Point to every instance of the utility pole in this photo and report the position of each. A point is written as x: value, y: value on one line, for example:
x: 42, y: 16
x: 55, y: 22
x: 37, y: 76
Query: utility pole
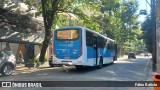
x: 153, y: 20
x: 158, y: 33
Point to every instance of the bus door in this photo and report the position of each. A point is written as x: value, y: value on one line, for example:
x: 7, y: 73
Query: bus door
x: 95, y: 46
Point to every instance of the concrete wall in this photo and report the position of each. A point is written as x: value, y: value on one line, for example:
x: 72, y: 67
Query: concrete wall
x: 20, y: 48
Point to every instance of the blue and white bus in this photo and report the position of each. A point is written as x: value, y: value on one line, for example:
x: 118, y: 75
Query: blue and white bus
x: 81, y: 46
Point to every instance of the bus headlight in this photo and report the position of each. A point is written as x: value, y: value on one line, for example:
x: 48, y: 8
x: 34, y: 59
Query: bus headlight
x: 69, y: 63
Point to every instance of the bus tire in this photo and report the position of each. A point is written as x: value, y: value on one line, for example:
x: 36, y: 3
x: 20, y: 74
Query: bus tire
x: 114, y: 58
x: 51, y: 65
x: 100, y: 63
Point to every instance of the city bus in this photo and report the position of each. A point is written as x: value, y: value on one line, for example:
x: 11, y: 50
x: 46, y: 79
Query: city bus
x: 80, y: 46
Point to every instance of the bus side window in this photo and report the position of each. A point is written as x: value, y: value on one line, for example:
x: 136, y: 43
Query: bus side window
x: 109, y: 46
x: 89, y: 38
x: 101, y: 42
x: 95, y: 42
x: 106, y: 44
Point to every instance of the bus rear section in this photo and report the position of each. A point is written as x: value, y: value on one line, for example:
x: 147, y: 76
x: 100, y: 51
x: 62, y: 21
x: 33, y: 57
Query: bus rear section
x: 67, y: 46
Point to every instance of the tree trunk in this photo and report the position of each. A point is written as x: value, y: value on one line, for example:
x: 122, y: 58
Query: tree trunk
x: 44, y: 48
x: 48, y: 17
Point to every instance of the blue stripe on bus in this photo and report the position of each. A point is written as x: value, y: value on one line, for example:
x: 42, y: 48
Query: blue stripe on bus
x: 91, y: 53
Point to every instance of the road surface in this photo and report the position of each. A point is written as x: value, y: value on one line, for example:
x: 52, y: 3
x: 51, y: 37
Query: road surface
x: 121, y: 70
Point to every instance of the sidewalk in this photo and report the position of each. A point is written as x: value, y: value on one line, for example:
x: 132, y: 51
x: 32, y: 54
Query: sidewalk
x: 149, y: 78
x: 125, y: 57
x: 20, y: 68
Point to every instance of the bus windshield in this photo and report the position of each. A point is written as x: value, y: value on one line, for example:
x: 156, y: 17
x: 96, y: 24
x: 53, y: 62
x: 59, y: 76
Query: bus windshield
x: 67, y: 34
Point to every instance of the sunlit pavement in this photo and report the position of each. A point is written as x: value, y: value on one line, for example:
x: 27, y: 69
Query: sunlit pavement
x: 122, y: 70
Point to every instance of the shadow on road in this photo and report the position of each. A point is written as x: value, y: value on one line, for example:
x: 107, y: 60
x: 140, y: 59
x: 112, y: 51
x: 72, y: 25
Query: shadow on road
x: 66, y: 70
x: 132, y: 69
x: 85, y: 69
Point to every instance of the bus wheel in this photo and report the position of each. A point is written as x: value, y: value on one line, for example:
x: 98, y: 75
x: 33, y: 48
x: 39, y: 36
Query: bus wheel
x: 51, y: 65
x: 114, y: 58
x: 100, y: 63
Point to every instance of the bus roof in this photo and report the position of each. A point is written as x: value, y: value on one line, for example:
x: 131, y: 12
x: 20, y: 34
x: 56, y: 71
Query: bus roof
x: 99, y: 34
x: 87, y: 30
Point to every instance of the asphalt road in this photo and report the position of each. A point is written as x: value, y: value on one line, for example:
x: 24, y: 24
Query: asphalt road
x: 121, y: 70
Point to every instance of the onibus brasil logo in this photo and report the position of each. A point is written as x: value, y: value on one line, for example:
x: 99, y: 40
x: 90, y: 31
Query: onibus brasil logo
x: 20, y: 84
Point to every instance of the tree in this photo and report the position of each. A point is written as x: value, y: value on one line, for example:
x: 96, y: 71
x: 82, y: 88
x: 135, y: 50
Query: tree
x: 130, y: 26
x: 49, y: 11
x: 147, y: 33
x: 50, y: 8
x: 110, y: 17
x: 119, y: 22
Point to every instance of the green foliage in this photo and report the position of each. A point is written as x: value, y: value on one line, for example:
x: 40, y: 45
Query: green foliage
x: 117, y: 20
x: 147, y: 33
